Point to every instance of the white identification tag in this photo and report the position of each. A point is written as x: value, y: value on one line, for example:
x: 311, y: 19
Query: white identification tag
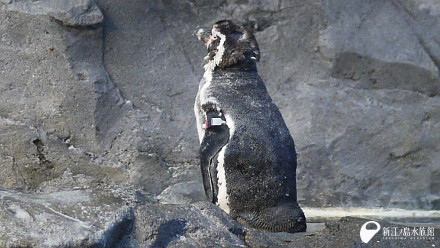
x: 217, y: 121
x: 213, y: 122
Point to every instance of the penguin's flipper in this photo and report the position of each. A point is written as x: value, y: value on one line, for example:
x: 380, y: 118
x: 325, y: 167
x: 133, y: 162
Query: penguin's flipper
x: 216, y: 136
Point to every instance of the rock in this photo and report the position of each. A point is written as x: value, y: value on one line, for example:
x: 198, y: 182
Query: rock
x: 381, y: 91
x: 70, y: 13
x: 341, y: 233
x: 187, y: 192
x: 342, y: 89
x: 376, y: 49
x: 98, y: 96
x: 50, y: 110
x: 70, y: 218
x: 199, y: 225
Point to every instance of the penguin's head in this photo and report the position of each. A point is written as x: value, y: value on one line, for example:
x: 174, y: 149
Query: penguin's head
x: 228, y: 44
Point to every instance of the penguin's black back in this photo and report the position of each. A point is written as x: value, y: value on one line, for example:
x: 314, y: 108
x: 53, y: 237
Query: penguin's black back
x: 260, y: 160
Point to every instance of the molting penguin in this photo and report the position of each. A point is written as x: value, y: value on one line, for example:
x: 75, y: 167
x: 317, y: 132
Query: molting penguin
x: 247, y: 155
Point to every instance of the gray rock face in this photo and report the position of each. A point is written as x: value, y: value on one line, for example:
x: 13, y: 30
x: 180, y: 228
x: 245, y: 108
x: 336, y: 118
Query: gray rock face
x: 69, y: 13
x: 341, y: 233
x: 72, y: 218
x: 374, y: 48
x: 53, y: 90
x: 199, y: 225
x: 97, y: 127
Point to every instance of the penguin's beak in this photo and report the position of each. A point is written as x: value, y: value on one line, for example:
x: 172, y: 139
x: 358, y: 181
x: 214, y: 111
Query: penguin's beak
x: 204, y: 36
x: 209, y: 41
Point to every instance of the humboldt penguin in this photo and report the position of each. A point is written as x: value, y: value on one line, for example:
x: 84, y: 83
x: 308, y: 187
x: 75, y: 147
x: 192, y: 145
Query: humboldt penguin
x: 247, y: 155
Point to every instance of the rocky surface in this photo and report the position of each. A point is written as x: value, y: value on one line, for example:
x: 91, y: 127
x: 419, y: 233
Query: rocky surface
x: 198, y: 225
x: 205, y: 225
x: 341, y: 233
x: 97, y: 128
x: 71, y: 218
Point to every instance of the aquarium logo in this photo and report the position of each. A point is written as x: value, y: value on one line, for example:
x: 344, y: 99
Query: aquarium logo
x: 368, y: 234
x: 396, y: 232
x: 410, y: 233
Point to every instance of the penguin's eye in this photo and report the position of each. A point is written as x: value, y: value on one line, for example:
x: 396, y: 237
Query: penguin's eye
x: 214, y: 37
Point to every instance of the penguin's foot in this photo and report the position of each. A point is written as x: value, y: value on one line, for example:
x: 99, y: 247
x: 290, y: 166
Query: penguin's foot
x: 284, y: 218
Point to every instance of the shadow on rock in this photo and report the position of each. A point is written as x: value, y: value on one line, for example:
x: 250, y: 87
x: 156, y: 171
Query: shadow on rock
x: 168, y: 232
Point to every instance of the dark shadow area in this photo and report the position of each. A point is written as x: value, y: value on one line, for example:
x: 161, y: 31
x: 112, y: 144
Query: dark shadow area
x: 370, y: 73
x: 168, y: 232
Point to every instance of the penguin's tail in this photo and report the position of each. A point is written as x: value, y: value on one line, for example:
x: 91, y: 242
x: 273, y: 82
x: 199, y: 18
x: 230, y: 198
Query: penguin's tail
x: 288, y: 217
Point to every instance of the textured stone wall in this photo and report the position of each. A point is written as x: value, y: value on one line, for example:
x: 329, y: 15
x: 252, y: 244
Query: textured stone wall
x: 357, y: 83
x: 97, y: 99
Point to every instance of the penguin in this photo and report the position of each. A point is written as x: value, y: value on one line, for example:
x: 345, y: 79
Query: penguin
x: 247, y: 155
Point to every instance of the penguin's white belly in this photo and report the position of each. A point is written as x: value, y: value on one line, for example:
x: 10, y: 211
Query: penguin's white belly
x: 206, y: 95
